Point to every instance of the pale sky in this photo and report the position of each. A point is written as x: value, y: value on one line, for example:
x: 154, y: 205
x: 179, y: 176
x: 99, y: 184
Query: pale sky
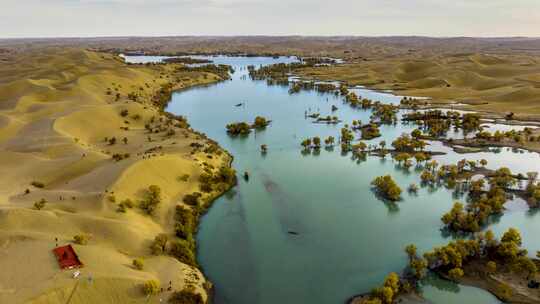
x: 83, y: 18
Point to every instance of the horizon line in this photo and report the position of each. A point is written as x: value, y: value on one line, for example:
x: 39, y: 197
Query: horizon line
x: 269, y: 35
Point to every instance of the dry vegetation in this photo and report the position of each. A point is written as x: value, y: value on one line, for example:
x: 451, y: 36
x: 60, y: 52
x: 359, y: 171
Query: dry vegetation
x: 64, y: 180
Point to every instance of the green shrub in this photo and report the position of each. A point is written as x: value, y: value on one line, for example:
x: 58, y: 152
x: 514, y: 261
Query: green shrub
x: 138, y: 264
x: 183, y: 178
x: 260, y: 122
x: 81, y: 239
x: 153, y: 197
x: 183, y: 250
x: 205, y: 188
x: 192, y: 199
x: 124, y: 113
x: 238, y: 128
x: 504, y: 291
x: 37, y: 184
x: 186, y: 297
x: 185, y: 222
x: 40, y: 204
x: 121, y: 208
x: 455, y: 273
x: 159, y: 245
x: 151, y: 287
x: 128, y: 203
x: 491, y: 267
x: 370, y: 131
x: 387, y: 187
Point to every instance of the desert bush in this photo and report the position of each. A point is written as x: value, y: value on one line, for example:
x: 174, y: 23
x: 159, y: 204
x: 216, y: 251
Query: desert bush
x: 81, y: 239
x: 124, y: 113
x: 159, y: 245
x: 491, y: 267
x: 40, y: 204
x: 121, y: 208
x: 205, y: 188
x: 128, y: 203
x: 184, y: 251
x: 151, y: 287
x: 186, y: 297
x: 153, y: 198
x: 185, y: 222
x: 504, y: 291
x: 184, y: 178
x: 138, y: 264
x: 192, y: 199
x: 119, y: 156
x: 37, y: 184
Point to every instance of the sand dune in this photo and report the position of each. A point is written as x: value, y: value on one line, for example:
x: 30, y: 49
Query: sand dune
x: 491, y: 82
x: 56, y: 109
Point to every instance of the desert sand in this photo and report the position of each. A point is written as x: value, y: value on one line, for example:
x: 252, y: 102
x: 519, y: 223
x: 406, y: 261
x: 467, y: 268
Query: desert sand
x: 497, y: 83
x: 496, y: 75
x: 57, y: 106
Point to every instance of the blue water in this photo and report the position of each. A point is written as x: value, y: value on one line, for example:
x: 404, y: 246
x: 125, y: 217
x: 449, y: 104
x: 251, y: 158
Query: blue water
x: 347, y: 240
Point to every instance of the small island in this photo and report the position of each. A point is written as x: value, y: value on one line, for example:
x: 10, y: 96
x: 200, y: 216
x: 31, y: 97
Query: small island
x: 502, y: 267
x: 387, y: 188
x: 243, y: 128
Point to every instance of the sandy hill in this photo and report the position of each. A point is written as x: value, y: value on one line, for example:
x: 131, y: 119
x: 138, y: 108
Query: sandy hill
x: 490, y: 82
x: 492, y: 74
x: 59, y: 112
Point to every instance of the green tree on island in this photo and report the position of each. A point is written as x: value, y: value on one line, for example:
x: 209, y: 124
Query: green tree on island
x: 387, y: 187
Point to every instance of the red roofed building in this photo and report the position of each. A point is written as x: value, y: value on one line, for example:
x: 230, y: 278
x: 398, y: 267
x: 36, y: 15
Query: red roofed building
x: 67, y: 258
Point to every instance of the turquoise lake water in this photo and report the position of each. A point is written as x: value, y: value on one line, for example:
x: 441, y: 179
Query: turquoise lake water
x: 346, y: 239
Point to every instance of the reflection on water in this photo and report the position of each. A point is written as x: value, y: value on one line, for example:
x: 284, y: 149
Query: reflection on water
x: 438, y: 291
x: 307, y: 228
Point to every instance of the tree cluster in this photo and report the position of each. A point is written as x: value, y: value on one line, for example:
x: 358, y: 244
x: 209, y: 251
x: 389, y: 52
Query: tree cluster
x: 151, y: 200
x: 451, y: 258
x: 407, y: 143
x: 370, y: 131
x: 387, y: 187
x: 238, y: 128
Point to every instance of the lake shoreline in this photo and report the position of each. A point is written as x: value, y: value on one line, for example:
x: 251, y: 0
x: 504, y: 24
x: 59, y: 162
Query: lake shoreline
x: 485, y: 116
x: 474, y: 281
x: 434, y: 153
x: 110, y: 147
